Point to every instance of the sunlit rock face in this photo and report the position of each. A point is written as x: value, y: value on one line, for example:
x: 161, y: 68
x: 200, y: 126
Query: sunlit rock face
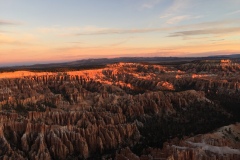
x: 97, y: 113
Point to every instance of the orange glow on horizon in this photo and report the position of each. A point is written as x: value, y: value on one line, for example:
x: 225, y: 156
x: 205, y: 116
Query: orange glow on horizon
x: 25, y: 54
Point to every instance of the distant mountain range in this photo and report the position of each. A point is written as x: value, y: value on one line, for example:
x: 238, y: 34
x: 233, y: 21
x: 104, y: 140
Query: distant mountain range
x: 227, y: 56
x: 96, y: 63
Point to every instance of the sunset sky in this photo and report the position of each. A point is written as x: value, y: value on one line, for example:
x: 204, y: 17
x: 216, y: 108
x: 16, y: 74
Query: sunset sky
x: 42, y: 31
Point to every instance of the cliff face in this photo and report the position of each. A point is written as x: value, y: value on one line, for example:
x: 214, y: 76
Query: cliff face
x: 60, y: 135
x: 90, y: 113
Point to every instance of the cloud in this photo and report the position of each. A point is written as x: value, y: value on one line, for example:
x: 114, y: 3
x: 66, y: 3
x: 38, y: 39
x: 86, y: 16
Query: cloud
x: 12, y: 43
x: 21, y: 39
x: 121, y: 42
x: 107, y: 31
x: 212, y: 24
x: 118, y: 44
x: 87, y: 30
x: 217, y: 40
x: 120, y: 31
x: 174, y: 11
x: 76, y: 42
x: 7, y: 22
x: 165, y: 16
x: 178, y: 19
x: 150, y: 4
x: 177, y: 6
x: 69, y: 30
x: 206, y: 31
x: 94, y: 30
x: 2, y: 31
x: 234, y: 12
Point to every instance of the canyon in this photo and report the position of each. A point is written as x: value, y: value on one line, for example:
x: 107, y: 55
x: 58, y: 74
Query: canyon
x: 123, y: 110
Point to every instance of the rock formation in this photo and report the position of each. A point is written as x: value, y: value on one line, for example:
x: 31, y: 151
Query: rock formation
x: 93, y: 113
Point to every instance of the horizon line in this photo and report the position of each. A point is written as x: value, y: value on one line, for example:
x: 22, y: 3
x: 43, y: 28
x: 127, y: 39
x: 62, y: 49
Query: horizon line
x: 29, y: 64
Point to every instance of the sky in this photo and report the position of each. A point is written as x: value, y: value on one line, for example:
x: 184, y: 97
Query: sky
x: 34, y: 31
